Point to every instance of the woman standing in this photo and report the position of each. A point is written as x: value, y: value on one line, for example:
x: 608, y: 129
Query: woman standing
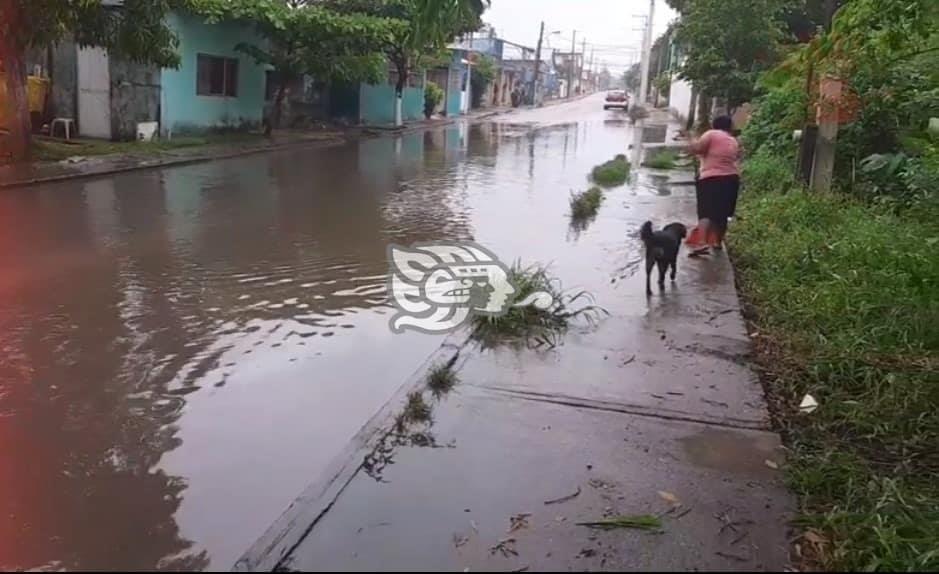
x: 717, y: 186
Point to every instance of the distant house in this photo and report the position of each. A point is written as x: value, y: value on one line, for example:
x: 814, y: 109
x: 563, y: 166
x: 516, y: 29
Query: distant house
x: 214, y: 87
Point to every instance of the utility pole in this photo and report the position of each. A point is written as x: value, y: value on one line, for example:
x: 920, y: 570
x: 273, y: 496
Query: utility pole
x: 592, y: 72
x: 570, y: 68
x: 583, y: 62
x: 534, y: 81
x: 646, y: 56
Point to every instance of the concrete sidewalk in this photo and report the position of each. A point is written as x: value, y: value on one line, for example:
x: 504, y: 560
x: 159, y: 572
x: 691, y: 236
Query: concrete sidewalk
x: 20, y: 175
x: 654, y: 412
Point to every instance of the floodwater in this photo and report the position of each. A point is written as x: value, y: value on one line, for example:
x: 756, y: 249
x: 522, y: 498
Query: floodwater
x: 185, y: 349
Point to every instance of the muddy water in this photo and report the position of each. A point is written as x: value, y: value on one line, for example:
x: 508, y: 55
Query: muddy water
x: 185, y: 349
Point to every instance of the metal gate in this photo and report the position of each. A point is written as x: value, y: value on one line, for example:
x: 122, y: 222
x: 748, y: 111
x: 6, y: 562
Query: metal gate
x: 94, y: 93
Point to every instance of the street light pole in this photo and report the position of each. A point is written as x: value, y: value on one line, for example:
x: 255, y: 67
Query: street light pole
x: 534, y: 80
x: 646, y: 56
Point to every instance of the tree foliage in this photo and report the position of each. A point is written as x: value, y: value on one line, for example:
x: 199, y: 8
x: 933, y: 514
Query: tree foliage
x: 727, y: 44
x: 135, y: 30
x: 309, y: 38
x: 632, y: 77
x: 424, y: 27
x: 887, y: 54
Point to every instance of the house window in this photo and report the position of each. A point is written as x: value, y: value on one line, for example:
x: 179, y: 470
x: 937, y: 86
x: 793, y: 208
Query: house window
x: 217, y: 76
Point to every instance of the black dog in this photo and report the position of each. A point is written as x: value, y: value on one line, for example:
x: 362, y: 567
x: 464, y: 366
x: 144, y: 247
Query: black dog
x: 662, y: 249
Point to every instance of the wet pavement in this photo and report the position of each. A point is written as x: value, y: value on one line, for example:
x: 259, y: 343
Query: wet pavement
x: 652, y: 412
x: 188, y: 349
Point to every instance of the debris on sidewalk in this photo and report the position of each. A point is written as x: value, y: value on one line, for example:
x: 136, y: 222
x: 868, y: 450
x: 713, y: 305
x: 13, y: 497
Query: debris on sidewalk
x: 808, y: 404
x: 564, y: 498
x: 519, y: 521
x: 733, y: 557
x: 638, y: 522
x: 506, y: 547
x: 669, y: 498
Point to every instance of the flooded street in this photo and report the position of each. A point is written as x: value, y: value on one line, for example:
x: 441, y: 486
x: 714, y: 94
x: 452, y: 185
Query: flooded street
x: 186, y: 349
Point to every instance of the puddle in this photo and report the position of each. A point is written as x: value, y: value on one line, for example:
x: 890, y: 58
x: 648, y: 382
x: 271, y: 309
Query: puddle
x: 734, y: 451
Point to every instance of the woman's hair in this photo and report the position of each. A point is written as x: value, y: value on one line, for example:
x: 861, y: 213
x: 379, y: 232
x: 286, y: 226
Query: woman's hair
x: 723, y: 123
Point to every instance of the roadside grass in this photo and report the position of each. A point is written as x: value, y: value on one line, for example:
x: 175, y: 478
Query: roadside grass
x: 416, y: 411
x: 611, y: 173
x: 586, y: 203
x: 537, y: 324
x: 441, y: 380
x: 844, y: 298
x: 665, y: 159
x: 48, y: 149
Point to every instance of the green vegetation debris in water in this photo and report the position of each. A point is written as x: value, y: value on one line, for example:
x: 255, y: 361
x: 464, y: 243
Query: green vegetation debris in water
x: 611, y: 173
x: 665, y: 159
x: 586, y: 203
x: 532, y: 324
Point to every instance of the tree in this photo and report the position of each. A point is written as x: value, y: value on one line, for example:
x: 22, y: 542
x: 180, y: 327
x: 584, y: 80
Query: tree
x: 482, y: 74
x: 135, y: 30
x: 631, y: 77
x: 425, y: 27
x: 302, y: 37
x: 727, y: 44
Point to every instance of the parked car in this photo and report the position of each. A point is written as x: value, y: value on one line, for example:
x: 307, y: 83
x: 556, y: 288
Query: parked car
x: 616, y: 99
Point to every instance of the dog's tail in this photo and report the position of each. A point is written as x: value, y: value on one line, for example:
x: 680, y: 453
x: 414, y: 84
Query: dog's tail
x: 645, y: 233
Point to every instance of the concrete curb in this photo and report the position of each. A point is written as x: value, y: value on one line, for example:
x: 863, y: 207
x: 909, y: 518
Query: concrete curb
x: 166, y: 162
x: 302, y: 515
x: 153, y: 163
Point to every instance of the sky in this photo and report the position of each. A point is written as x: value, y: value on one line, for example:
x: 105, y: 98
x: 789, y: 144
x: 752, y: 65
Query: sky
x: 612, y: 28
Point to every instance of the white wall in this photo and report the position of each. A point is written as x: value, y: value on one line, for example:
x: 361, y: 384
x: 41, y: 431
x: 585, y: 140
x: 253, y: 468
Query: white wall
x: 679, y: 99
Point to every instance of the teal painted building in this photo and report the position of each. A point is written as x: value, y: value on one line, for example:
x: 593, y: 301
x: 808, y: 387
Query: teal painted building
x: 215, y: 86
x: 377, y: 104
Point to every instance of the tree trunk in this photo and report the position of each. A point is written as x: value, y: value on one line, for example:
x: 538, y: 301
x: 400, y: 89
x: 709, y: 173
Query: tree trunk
x: 399, y: 90
x: 689, y: 125
x: 704, y: 111
x: 278, y: 107
x: 14, y: 146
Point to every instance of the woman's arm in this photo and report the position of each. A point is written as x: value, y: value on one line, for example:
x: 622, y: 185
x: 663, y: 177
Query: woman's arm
x: 700, y: 146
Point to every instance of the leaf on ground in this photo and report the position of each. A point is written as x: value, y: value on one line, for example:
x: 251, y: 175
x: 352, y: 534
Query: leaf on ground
x: 771, y: 464
x: 639, y: 522
x: 669, y: 497
x: 518, y: 521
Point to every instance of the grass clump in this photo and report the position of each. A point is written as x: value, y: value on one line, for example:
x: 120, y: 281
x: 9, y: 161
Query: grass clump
x: 845, y: 297
x: 586, y: 203
x: 612, y: 173
x: 441, y: 379
x: 665, y: 159
x: 541, y: 323
x: 416, y: 411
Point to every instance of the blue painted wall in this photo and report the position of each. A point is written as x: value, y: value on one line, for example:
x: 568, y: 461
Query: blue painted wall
x: 455, y: 89
x: 182, y: 111
x: 377, y: 104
